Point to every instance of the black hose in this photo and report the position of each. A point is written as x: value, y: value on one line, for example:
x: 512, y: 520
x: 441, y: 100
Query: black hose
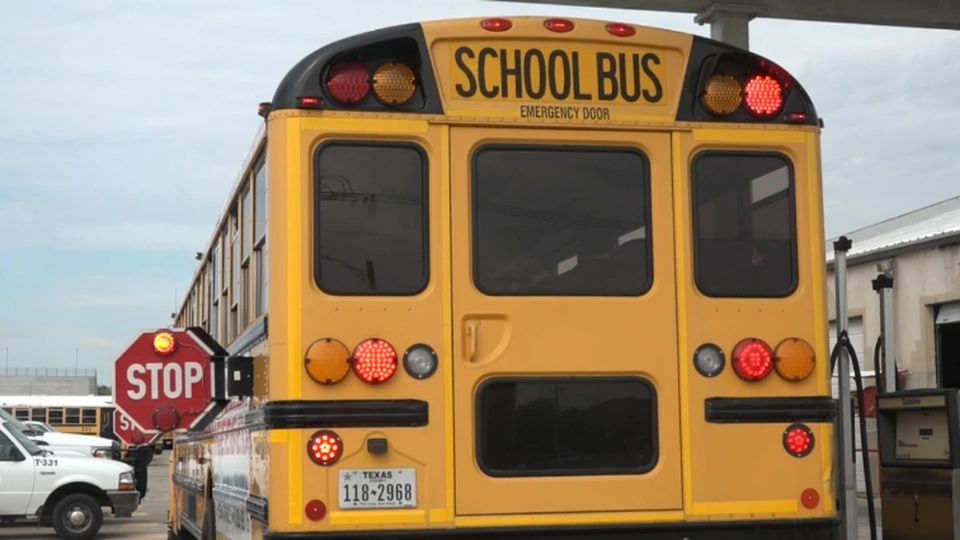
x: 843, y: 342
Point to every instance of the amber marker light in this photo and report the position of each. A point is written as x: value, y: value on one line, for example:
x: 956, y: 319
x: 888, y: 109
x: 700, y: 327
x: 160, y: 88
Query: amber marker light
x: 164, y: 343
x: 722, y: 95
x: 794, y: 359
x: 327, y: 361
x: 394, y: 83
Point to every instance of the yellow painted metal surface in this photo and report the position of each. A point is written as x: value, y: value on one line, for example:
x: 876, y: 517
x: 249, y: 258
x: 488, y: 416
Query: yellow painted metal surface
x: 568, y: 336
x: 581, y: 77
x: 730, y: 468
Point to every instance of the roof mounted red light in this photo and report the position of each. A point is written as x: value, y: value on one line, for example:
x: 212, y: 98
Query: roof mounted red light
x: 264, y: 108
x: 763, y: 96
x: 558, y: 25
x: 309, y: 102
x: 621, y: 30
x: 496, y: 25
x: 348, y: 81
x: 752, y: 360
x: 374, y: 361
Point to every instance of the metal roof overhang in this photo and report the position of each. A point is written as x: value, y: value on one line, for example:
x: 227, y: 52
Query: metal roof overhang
x: 918, y: 13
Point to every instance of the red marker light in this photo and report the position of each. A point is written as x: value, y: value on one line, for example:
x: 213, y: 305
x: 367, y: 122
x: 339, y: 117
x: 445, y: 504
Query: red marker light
x: 558, y: 25
x: 496, y: 25
x: 315, y: 510
x: 374, y: 361
x: 308, y: 102
x: 621, y: 30
x: 325, y: 448
x: 810, y: 498
x: 348, y: 81
x: 763, y: 95
x: 752, y: 360
x: 798, y: 440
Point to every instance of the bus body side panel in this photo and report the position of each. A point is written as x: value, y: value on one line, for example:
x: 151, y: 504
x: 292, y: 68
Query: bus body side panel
x: 741, y: 469
x: 302, y: 313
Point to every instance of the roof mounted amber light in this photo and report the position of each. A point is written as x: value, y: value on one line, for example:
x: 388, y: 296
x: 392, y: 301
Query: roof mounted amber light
x: 794, y: 359
x: 394, y: 83
x: 722, y: 95
x: 327, y: 361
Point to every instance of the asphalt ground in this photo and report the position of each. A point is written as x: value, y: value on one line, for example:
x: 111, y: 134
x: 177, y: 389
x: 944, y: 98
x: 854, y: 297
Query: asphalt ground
x: 149, y: 522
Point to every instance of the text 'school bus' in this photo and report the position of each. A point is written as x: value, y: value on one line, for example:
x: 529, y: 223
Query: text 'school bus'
x: 521, y: 276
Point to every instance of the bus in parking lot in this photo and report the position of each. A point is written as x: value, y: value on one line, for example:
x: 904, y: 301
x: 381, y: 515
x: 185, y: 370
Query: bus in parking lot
x: 513, y: 276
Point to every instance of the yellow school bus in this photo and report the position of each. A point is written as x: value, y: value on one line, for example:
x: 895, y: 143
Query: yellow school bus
x: 520, y: 276
x: 87, y: 415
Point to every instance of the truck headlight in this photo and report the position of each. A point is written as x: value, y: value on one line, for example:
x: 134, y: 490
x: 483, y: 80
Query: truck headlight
x: 126, y: 482
x: 103, y: 453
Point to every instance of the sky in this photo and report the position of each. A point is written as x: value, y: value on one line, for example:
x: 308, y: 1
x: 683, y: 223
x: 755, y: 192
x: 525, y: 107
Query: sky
x: 123, y: 126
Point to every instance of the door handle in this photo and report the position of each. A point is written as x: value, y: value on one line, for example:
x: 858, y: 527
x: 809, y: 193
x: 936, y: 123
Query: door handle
x: 473, y: 328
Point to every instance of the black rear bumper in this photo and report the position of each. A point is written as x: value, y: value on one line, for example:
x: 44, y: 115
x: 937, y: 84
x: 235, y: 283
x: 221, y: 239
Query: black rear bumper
x: 781, y: 530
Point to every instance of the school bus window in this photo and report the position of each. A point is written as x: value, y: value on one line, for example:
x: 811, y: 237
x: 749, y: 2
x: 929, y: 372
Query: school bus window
x: 22, y: 414
x: 561, y: 221
x: 744, y: 224
x: 562, y: 427
x: 56, y: 417
x: 371, y: 219
x: 72, y: 416
x: 89, y: 416
x: 259, y: 237
x: 38, y: 415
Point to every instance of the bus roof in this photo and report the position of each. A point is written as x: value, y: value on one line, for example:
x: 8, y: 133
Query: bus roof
x: 88, y: 401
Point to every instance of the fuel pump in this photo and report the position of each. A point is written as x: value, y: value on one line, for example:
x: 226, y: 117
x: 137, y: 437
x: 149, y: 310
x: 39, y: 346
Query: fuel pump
x: 919, y: 437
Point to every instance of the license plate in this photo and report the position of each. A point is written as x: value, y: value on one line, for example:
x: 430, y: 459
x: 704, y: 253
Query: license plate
x: 378, y: 488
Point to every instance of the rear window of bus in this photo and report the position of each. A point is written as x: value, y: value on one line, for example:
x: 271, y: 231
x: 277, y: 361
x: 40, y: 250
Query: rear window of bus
x: 744, y: 221
x: 566, y: 427
x: 371, y: 219
x: 561, y: 221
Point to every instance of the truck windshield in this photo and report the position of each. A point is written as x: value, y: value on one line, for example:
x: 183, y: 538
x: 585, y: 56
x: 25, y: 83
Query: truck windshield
x: 16, y: 430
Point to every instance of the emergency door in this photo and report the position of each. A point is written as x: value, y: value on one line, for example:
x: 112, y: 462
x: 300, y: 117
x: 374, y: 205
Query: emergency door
x: 564, y: 322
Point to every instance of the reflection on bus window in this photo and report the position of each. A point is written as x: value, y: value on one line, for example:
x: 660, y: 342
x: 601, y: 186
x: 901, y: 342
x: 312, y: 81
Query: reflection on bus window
x: 561, y: 222
x: 745, y: 226
x: 371, y: 219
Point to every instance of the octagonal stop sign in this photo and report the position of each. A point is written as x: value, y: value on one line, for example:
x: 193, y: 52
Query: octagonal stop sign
x: 127, y: 432
x: 165, y: 380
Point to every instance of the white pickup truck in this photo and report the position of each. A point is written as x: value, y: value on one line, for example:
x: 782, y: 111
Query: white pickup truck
x: 67, y: 491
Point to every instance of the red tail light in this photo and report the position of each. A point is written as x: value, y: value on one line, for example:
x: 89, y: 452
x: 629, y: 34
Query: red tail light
x: 325, y: 447
x: 496, y: 25
x: 558, y: 25
x: 752, y: 360
x: 798, y: 440
x: 621, y: 30
x: 309, y: 102
x: 374, y: 361
x: 348, y: 82
x: 763, y: 95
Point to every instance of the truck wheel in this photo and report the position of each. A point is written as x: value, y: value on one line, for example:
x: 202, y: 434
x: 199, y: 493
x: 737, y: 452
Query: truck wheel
x: 77, y: 517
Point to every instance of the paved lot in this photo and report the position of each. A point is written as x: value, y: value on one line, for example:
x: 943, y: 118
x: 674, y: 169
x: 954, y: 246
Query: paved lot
x: 149, y: 522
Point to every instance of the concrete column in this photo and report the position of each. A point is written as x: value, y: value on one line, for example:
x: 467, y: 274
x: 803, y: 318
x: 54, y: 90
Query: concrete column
x: 729, y: 24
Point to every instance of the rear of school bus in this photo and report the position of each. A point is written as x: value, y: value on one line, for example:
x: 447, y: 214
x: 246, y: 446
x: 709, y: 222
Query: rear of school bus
x: 558, y: 278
